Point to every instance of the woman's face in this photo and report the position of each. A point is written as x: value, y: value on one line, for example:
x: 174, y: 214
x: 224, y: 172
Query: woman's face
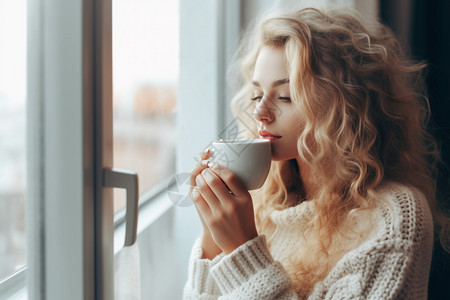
x: 274, y: 112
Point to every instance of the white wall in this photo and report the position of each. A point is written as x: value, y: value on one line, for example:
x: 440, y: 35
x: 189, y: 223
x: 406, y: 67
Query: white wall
x: 253, y: 8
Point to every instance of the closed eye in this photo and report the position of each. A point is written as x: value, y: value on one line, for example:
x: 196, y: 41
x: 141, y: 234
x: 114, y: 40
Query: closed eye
x: 256, y: 98
x: 286, y: 99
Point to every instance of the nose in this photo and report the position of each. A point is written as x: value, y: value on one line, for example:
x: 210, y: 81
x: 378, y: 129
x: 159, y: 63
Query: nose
x: 263, y: 112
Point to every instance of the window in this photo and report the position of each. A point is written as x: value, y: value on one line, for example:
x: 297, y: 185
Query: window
x: 13, y: 26
x: 145, y: 84
x: 64, y: 39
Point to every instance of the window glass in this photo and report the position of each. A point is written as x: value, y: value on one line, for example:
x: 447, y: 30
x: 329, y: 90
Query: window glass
x: 145, y: 83
x: 12, y: 135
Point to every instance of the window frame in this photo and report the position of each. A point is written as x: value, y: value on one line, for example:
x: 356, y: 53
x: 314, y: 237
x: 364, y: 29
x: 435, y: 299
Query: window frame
x: 56, y: 68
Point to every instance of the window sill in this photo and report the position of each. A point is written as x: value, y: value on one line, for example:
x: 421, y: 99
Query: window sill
x: 14, y: 287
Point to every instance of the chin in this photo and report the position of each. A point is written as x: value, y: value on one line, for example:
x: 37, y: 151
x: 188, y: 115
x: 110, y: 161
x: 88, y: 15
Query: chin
x: 282, y: 156
x: 278, y: 158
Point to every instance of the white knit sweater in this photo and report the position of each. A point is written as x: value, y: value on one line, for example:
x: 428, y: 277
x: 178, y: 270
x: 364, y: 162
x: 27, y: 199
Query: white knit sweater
x: 392, y: 263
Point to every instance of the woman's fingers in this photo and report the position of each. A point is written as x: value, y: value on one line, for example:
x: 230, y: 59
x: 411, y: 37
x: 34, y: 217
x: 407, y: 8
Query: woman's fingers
x: 199, y: 167
x: 205, y: 154
x: 216, y: 184
x: 205, y: 191
x: 231, y: 221
x: 200, y: 203
x: 197, y: 170
x: 230, y: 179
x: 228, y: 218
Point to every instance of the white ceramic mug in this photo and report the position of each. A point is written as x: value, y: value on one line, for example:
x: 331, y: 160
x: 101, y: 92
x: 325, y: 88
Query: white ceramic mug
x: 249, y: 159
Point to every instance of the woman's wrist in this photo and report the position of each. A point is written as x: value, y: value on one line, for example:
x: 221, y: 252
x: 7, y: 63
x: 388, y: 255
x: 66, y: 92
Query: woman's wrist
x: 209, y: 247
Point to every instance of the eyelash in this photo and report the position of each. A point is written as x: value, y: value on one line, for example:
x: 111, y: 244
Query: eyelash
x: 256, y: 98
x: 285, y: 99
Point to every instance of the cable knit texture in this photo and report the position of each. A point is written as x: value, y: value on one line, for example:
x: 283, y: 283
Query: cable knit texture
x: 392, y: 263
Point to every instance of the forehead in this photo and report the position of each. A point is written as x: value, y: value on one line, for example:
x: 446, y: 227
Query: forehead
x: 270, y: 65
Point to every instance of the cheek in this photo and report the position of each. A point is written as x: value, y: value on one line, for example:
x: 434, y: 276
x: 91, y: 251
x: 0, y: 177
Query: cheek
x: 293, y: 136
x: 293, y: 142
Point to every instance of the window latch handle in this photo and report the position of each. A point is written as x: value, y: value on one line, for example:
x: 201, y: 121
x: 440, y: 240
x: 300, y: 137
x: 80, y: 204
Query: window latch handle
x: 128, y: 180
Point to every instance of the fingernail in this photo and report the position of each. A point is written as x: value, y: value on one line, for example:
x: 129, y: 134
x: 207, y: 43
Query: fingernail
x: 206, y: 150
x: 195, y: 192
x: 198, y: 181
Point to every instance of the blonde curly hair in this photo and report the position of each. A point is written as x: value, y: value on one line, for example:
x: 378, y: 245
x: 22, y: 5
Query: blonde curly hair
x: 365, y: 115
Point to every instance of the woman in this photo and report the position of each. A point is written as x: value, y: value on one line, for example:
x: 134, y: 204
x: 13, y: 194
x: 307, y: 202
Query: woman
x: 346, y: 209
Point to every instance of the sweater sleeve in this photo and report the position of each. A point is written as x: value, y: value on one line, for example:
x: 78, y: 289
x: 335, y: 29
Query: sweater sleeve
x: 200, y: 284
x: 250, y: 272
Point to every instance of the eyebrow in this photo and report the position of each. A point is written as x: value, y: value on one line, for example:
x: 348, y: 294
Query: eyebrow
x: 274, y: 84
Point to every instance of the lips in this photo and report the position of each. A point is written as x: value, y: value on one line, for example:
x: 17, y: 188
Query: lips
x: 269, y: 136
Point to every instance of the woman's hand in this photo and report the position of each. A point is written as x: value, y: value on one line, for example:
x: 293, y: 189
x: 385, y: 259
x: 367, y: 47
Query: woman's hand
x: 210, y: 249
x: 225, y: 207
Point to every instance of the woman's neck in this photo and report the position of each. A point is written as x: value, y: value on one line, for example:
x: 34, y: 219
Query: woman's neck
x: 305, y: 175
